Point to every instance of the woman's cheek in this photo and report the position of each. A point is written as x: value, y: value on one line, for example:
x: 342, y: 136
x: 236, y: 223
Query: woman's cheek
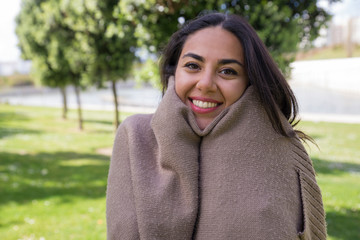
x: 180, y: 86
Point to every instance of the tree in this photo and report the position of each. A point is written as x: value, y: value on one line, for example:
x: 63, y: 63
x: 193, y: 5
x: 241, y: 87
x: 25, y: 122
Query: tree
x: 48, y: 43
x: 282, y: 25
x: 33, y: 39
x: 109, y: 36
x: 85, y: 42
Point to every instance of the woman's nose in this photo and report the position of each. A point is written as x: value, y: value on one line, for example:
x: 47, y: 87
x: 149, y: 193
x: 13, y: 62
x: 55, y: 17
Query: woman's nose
x: 206, y: 82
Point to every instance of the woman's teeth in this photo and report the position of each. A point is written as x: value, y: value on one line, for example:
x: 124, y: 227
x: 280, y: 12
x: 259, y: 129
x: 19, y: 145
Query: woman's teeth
x: 202, y: 104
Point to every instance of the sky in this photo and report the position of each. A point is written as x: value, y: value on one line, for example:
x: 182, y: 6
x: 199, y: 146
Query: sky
x: 9, y: 51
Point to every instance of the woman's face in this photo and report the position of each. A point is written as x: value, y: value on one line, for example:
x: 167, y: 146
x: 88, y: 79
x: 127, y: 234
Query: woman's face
x: 210, y: 75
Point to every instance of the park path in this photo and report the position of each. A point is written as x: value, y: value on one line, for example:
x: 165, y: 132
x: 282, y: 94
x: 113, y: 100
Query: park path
x: 316, y: 103
x: 130, y: 97
x: 327, y: 90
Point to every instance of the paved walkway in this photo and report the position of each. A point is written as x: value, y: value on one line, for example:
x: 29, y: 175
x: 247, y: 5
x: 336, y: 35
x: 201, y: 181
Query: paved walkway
x: 131, y: 99
x: 316, y: 103
x: 328, y: 90
x: 323, y: 104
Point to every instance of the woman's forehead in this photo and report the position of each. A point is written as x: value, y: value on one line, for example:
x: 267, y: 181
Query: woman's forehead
x: 213, y: 42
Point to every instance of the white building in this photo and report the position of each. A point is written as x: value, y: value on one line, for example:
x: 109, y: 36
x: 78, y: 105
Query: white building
x: 10, y: 68
x: 340, y: 33
x: 344, y: 31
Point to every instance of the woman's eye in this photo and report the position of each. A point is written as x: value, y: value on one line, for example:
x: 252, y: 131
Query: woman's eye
x: 192, y: 66
x: 228, y: 71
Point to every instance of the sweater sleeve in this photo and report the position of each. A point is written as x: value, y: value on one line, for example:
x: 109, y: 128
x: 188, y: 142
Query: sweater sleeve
x: 120, y: 207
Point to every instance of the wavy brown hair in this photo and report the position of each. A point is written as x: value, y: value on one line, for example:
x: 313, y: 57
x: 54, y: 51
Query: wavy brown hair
x: 263, y: 73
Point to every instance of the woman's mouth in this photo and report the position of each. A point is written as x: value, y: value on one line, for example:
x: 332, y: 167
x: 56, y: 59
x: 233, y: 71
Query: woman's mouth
x: 204, y: 105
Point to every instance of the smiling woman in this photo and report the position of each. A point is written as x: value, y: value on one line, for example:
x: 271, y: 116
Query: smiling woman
x: 219, y: 159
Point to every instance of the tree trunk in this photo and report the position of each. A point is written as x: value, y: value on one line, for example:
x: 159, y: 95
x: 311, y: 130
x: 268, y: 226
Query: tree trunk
x: 64, y: 101
x: 117, y: 117
x: 349, y: 41
x: 77, y: 92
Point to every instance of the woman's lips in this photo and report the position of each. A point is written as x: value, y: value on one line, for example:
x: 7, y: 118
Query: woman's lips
x: 203, y: 105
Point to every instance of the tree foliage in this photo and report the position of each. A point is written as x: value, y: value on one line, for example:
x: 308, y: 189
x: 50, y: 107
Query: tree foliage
x: 104, y: 42
x: 42, y: 40
x: 282, y: 25
x: 77, y: 42
x: 89, y: 42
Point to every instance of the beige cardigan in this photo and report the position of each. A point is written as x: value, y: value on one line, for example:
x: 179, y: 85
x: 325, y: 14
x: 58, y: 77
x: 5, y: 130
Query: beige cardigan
x: 236, y: 179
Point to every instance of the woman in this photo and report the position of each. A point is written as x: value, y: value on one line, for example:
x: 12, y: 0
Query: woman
x: 219, y: 159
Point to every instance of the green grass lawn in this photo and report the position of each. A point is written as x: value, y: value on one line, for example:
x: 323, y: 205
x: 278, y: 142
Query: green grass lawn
x: 53, y: 176
x: 337, y: 163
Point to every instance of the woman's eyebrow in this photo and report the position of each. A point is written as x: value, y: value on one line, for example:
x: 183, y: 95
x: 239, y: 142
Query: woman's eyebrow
x: 227, y: 61
x: 221, y: 62
x: 193, y: 55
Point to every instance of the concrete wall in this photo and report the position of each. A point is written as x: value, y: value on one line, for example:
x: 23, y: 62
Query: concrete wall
x: 337, y: 74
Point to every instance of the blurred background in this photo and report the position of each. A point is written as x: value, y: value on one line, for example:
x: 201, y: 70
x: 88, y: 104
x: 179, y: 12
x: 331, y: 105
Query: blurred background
x: 71, y: 71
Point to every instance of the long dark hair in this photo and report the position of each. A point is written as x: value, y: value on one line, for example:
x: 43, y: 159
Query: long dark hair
x: 263, y: 73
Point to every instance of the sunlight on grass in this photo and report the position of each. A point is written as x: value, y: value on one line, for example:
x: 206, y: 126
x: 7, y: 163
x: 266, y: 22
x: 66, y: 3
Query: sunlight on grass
x: 55, y: 218
x: 53, y: 176
x: 52, y: 180
x: 81, y: 162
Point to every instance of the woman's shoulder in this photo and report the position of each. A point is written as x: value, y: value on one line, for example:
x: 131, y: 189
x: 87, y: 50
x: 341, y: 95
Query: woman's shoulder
x: 137, y: 120
x: 135, y: 124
